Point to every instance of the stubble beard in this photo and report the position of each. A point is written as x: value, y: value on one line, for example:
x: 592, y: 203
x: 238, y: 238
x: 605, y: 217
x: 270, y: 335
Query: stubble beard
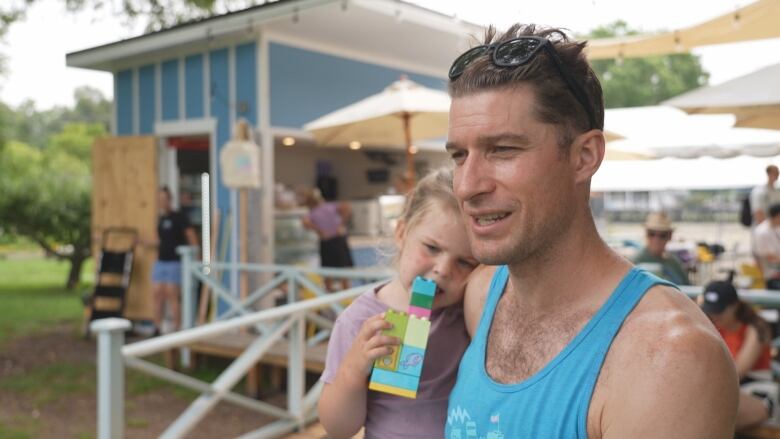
x: 519, y: 248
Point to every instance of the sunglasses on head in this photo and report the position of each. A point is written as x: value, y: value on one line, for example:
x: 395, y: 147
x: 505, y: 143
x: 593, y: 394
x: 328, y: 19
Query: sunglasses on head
x: 519, y: 51
x: 659, y: 234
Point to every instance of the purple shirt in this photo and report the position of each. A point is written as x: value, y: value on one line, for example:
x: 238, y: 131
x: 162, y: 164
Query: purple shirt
x: 389, y: 416
x: 327, y: 219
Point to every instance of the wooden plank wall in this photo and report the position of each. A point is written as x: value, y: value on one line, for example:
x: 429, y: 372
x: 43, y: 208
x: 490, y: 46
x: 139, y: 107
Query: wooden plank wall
x: 125, y: 184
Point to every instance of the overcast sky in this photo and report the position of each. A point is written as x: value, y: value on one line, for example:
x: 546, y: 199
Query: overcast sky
x: 37, y: 46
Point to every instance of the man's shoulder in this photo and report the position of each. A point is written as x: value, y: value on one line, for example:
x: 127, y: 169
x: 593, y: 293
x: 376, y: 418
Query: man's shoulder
x: 667, y: 354
x: 665, y: 317
x: 666, y: 333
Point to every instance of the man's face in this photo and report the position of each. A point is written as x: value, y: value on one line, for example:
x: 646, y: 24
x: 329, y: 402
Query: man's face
x: 772, y: 174
x: 516, y: 190
x: 657, y: 240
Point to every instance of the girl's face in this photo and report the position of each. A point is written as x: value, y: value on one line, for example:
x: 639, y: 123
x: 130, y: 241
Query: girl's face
x: 436, y: 247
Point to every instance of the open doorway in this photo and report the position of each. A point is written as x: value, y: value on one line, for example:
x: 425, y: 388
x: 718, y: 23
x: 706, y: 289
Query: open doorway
x: 190, y: 160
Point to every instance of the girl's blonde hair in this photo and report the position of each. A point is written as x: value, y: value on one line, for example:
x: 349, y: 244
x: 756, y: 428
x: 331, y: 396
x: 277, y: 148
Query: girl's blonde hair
x: 434, y: 187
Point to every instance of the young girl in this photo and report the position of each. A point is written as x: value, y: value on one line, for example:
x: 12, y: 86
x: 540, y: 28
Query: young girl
x: 432, y: 243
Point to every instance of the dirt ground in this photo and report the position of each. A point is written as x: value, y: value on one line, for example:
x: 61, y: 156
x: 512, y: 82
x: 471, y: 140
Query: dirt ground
x: 73, y: 414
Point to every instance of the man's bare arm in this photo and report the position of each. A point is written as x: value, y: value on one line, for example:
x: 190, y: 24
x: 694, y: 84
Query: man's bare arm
x: 671, y: 377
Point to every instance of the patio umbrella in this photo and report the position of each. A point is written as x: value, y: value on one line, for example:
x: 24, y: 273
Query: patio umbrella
x: 753, y: 98
x: 402, y: 113
x: 755, y: 21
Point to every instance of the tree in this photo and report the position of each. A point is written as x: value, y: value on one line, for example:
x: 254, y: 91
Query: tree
x: 644, y: 81
x: 29, y: 125
x: 46, y: 194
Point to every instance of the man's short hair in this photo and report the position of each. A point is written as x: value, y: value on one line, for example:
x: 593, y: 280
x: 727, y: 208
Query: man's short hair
x: 771, y: 169
x: 774, y: 210
x: 555, y: 103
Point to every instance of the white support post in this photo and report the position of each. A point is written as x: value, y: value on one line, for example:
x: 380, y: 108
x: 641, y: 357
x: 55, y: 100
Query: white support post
x: 296, y: 372
x: 187, y: 297
x: 292, y: 286
x: 111, y: 377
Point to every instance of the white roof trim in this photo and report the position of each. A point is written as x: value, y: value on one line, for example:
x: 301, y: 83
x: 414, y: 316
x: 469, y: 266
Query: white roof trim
x: 100, y: 57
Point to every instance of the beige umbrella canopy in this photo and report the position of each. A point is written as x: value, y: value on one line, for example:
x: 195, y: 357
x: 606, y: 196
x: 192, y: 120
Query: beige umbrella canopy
x: 402, y: 113
x: 754, y: 98
x: 756, y: 21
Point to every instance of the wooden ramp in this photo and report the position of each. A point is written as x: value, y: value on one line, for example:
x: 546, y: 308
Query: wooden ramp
x: 232, y: 345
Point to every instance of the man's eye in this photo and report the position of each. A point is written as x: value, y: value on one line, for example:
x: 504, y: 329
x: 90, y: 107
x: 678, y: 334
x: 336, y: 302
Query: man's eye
x: 457, y: 156
x: 431, y: 248
x: 504, y: 149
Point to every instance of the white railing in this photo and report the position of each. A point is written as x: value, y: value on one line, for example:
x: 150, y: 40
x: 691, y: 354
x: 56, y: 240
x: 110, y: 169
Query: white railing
x: 274, y: 325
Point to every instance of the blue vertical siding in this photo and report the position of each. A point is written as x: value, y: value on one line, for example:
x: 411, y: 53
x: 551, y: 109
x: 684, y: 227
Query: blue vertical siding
x: 306, y: 85
x: 193, y: 87
x: 124, y: 102
x: 246, y: 82
x: 220, y: 100
x: 146, y: 99
x: 170, y: 90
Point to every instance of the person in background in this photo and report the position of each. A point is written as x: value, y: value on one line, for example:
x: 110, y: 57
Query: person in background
x: 658, y: 233
x: 432, y: 243
x: 764, y: 196
x: 329, y: 221
x: 766, y: 239
x: 173, y: 230
x: 747, y: 336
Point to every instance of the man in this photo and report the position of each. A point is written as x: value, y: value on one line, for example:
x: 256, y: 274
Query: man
x: 658, y: 232
x: 766, y: 237
x: 173, y: 230
x: 765, y: 195
x: 553, y: 354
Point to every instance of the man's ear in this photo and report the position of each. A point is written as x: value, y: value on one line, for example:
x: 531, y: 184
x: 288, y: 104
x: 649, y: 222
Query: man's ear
x: 586, y: 154
x: 400, y: 233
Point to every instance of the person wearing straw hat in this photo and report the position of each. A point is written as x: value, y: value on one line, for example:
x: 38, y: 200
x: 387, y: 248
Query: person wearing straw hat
x: 658, y: 233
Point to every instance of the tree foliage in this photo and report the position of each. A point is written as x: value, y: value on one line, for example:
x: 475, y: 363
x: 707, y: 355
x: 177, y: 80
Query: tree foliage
x: 46, y: 188
x: 644, y: 81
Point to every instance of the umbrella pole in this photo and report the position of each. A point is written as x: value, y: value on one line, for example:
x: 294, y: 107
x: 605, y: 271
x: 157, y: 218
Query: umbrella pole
x: 410, y: 177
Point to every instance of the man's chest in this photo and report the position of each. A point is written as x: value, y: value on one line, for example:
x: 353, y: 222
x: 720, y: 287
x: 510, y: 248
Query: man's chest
x: 519, y: 346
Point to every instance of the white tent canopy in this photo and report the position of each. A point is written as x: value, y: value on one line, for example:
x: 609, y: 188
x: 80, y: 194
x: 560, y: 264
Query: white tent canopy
x: 661, y: 131
x: 670, y: 173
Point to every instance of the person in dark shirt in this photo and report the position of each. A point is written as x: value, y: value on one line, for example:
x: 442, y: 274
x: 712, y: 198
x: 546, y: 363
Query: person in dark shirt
x: 173, y: 230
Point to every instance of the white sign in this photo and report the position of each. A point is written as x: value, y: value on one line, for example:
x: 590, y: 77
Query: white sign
x: 240, y: 164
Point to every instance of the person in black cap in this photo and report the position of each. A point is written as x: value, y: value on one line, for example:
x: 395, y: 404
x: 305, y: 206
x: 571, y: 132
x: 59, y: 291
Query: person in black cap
x: 747, y: 336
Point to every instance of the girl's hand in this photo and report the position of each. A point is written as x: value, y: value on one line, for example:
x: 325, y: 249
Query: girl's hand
x: 370, y: 344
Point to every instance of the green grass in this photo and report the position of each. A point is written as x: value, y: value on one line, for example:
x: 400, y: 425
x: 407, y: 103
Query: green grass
x: 61, y: 380
x: 34, y: 298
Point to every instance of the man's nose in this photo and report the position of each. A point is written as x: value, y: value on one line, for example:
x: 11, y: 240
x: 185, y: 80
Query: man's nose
x: 472, y: 179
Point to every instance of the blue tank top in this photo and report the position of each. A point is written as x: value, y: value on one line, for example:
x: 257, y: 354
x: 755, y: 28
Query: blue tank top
x: 552, y: 403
